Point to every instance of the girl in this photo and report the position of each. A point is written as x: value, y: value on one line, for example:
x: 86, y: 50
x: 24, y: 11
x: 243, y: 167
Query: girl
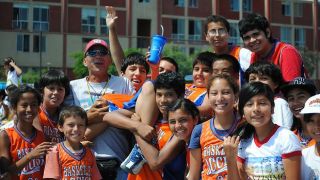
x: 182, y: 117
x: 266, y: 151
x: 310, y: 166
x: 22, y: 148
x: 69, y: 159
x: 207, y: 138
x: 54, y: 86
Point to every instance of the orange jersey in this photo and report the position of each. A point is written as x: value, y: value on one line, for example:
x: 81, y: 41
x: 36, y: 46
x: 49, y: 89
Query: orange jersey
x: 195, y: 94
x: 49, y: 127
x: 20, y: 146
x: 63, y: 164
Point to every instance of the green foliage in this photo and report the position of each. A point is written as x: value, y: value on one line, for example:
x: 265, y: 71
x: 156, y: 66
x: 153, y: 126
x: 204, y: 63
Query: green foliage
x: 32, y: 75
x: 79, y: 69
x: 310, y: 59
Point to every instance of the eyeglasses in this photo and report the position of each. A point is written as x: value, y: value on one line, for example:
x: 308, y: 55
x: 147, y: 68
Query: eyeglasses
x: 94, y: 53
x: 217, y: 32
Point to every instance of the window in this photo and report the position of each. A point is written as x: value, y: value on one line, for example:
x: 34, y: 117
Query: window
x: 37, y: 43
x: 298, y: 9
x: 23, y: 42
x: 20, y: 16
x: 40, y: 19
x: 178, y: 29
x: 103, y: 25
x: 234, y: 34
x: 285, y: 34
x: 179, y: 3
x: 195, y: 30
x: 144, y: 1
x: 88, y: 19
x: 246, y: 5
x: 299, y: 37
x: 193, y: 3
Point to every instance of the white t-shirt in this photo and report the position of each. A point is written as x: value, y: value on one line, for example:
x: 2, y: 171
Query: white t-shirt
x: 282, y: 115
x: 13, y: 78
x: 263, y: 160
x: 85, y: 93
x: 310, y: 164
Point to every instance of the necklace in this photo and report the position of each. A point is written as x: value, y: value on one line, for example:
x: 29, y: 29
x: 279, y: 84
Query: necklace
x: 103, y: 90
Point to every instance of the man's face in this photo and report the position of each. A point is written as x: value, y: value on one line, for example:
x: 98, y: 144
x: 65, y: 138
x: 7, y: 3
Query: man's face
x: 164, y: 99
x: 217, y: 35
x: 137, y: 74
x: 257, y: 41
x: 97, y: 59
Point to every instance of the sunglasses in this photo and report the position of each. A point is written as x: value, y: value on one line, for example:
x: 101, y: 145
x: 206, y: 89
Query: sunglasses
x: 94, y: 53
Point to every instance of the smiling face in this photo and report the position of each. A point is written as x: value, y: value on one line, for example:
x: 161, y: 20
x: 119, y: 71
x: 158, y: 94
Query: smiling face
x: 201, y: 74
x: 181, y: 124
x: 221, y: 96
x: 165, y: 99
x: 313, y: 127
x: 99, y: 63
x: 137, y: 74
x: 27, y: 108
x: 53, y: 96
x: 297, y: 97
x: 257, y: 111
x: 217, y: 35
x: 257, y: 41
x: 73, y: 129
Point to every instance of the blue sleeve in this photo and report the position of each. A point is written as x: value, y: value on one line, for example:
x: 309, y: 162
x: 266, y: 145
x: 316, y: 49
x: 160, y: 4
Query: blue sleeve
x: 195, y: 137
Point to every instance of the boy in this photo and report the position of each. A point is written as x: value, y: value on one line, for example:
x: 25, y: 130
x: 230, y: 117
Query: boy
x: 270, y: 74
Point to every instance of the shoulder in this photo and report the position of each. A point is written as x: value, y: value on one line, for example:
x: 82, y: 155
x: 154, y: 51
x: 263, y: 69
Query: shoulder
x: 77, y: 81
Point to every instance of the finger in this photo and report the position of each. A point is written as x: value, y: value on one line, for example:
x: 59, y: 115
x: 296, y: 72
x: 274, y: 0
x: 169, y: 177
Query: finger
x: 238, y: 140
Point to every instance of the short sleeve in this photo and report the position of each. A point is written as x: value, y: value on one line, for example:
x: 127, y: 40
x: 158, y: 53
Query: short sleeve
x: 290, y: 63
x: 291, y: 146
x: 51, y: 169
x: 195, y: 137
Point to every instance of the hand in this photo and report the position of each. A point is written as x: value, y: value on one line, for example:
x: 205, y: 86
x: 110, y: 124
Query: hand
x: 111, y: 17
x: 40, y: 150
x: 98, y: 110
x: 230, y: 146
x: 145, y: 131
x: 152, y: 66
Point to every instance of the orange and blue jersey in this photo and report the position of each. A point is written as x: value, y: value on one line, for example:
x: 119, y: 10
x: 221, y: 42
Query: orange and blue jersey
x: 210, y: 140
x: 20, y: 146
x: 195, y: 94
x: 304, y: 141
x: 49, y: 127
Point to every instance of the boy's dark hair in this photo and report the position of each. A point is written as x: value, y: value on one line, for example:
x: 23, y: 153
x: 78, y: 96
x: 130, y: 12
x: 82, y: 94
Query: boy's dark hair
x: 170, y: 80
x: 266, y: 69
x: 234, y: 86
x: 69, y: 111
x: 206, y: 58
x: 172, y: 61
x: 187, y: 106
x: 216, y: 19
x: 246, y: 93
x: 16, y: 94
x: 254, y: 21
x: 55, y: 77
x: 229, y: 58
x: 7, y: 61
x: 134, y: 58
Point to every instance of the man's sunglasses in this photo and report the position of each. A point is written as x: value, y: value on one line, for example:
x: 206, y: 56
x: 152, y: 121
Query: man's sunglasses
x: 94, y: 53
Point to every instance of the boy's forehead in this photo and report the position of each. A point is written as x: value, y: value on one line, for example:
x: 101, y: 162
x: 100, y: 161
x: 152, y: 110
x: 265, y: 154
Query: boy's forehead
x: 165, y: 90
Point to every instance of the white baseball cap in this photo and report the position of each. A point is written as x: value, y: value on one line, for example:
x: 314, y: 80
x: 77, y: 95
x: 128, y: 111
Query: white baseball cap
x: 312, y: 105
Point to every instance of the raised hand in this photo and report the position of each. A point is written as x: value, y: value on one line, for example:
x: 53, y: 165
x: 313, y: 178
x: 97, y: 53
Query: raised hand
x: 111, y: 17
x: 230, y: 146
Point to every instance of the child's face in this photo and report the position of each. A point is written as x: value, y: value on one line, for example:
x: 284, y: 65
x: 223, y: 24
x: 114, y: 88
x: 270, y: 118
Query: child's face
x: 181, y: 124
x: 257, y: 41
x: 165, y: 98
x: 217, y: 35
x: 201, y: 74
x: 296, y: 99
x: 257, y: 111
x: 221, y: 96
x: 165, y: 66
x: 264, y: 79
x: 313, y: 127
x: 53, y: 95
x: 73, y: 129
x: 27, y: 107
x: 137, y: 74
x: 222, y: 67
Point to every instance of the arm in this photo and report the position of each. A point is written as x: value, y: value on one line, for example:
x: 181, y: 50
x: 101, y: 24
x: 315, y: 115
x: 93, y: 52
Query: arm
x: 115, y: 47
x: 157, y: 159
x: 292, y: 167
x: 146, y: 106
x: 93, y: 130
x: 5, y: 159
x: 16, y: 68
x: 195, y: 164
x: 230, y: 146
x: 154, y: 67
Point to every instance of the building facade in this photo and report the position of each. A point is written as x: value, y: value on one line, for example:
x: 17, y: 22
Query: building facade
x: 42, y: 33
